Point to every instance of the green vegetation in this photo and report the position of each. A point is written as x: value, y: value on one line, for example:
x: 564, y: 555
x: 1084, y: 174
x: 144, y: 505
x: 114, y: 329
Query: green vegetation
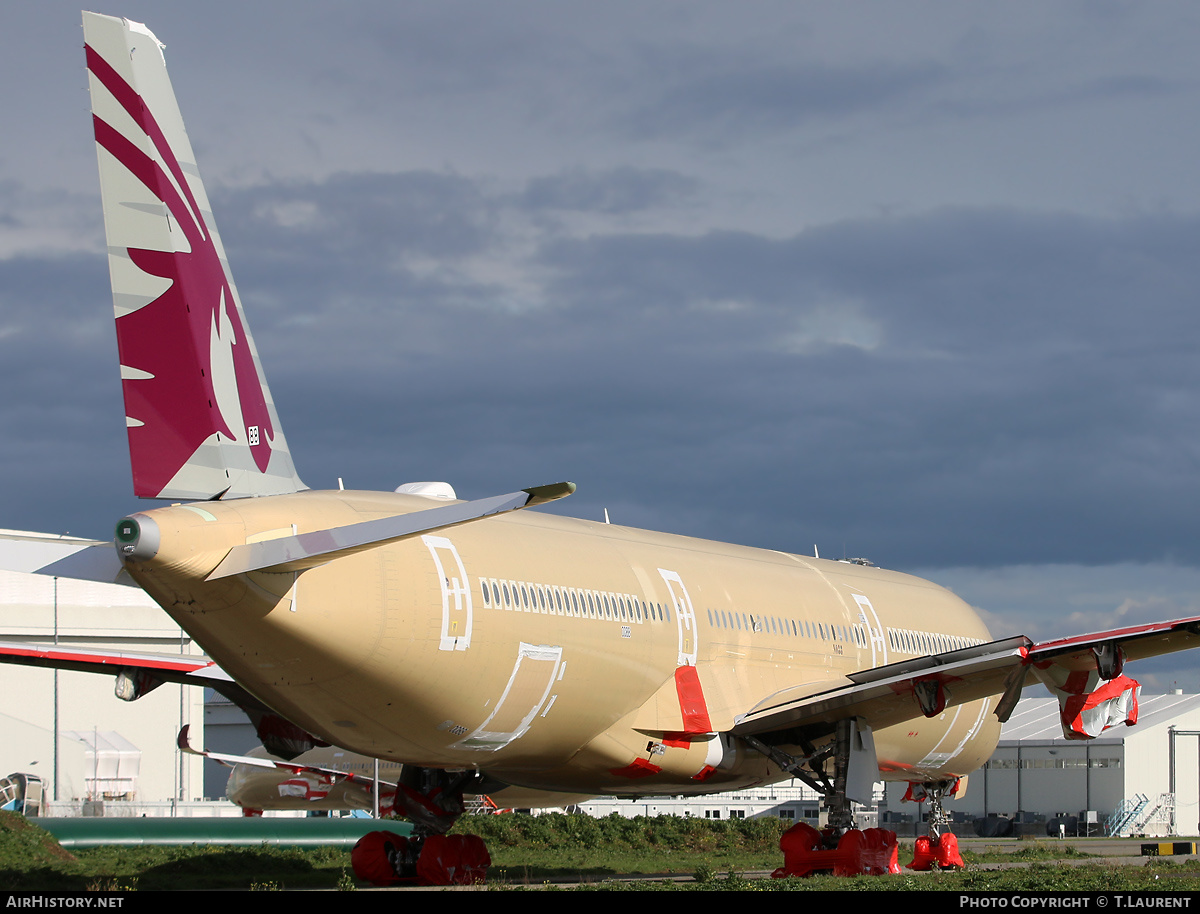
x: 1162, y: 877
x: 557, y: 845
x: 1031, y: 852
x: 30, y: 858
x: 539, y: 851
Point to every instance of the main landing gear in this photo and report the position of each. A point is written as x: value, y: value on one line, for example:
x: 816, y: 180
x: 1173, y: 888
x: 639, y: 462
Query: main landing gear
x: 433, y: 800
x: 839, y: 848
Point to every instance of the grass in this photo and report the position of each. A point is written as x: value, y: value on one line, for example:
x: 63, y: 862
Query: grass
x: 557, y: 845
x: 1032, y: 852
x: 30, y: 859
x: 537, y: 851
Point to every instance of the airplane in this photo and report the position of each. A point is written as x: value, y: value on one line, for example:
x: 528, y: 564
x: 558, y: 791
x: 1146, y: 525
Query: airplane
x: 329, y: 779
x: 481, y: 644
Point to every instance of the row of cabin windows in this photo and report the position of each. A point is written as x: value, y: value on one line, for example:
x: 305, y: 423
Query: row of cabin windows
x: 924, y: 643
x: 796, y: 628
x: 594, y: 604
x: 901, y: 640
x: 567, y: 601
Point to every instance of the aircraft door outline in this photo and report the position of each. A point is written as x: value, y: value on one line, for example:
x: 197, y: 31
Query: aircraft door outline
x: 685, y: 617
x: 526, y: 694
x: 870, y: 621
x: 458, y: 612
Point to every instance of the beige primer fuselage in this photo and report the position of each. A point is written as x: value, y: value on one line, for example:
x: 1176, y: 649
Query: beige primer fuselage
x: 549, y: 652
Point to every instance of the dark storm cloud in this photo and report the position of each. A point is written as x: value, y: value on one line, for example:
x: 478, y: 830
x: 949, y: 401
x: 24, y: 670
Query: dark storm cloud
x: 63, y: 448
x: 1027, y: 394
x: 965, y: 386
x: 959, y: 387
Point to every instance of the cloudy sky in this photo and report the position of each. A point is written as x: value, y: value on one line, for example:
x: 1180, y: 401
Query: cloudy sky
x: 913, y: 281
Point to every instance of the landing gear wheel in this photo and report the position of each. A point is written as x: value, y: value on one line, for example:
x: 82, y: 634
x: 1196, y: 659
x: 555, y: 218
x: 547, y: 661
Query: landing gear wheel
x: 385, y: 858
x: 839, y: 848
x: 433, y: 800
x: 940, y: 849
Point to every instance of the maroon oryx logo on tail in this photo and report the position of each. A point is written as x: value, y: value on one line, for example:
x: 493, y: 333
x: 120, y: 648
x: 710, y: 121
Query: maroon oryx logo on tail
x: 189, y: 361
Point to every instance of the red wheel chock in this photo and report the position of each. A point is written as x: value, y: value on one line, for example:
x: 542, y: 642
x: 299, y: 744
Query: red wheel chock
x: 385, y: 858
x: 942, y: 852
x: 858, y: 853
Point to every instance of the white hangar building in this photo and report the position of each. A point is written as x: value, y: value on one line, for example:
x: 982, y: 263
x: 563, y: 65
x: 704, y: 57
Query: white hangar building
x: 1151, y: 770
x: 106, y: 749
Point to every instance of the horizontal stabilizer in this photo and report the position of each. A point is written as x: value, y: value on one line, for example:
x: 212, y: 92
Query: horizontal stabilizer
x: 307, y: 550
x: 62, y: 557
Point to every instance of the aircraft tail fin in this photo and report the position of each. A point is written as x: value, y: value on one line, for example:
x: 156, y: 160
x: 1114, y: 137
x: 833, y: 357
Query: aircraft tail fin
x: 200, y: 417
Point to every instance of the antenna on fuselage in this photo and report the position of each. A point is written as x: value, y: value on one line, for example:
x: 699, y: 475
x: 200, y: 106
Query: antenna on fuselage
x: 606, y: 520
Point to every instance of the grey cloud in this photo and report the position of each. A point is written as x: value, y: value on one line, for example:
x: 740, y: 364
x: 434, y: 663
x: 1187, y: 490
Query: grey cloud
x: 62, y: 454
x: 363, y: 217
x: 615, y: 191
x: 1025, y: 395
x: 1047, y: 412
x: 715, y: 101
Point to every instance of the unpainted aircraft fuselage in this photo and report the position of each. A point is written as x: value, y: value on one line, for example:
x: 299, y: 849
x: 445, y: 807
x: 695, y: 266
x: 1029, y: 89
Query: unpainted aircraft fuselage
x: 547, y: 651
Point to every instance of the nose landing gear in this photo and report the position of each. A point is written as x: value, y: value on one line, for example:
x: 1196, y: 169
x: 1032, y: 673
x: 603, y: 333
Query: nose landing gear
x: 940, y: 848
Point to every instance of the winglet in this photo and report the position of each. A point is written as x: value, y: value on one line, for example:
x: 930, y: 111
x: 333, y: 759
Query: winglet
x: 540, y: 495
x: 185, y: 746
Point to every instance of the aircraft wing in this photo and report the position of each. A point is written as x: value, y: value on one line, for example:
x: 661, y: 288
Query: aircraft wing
x: 1075, y: 669
x: 253, y: 761
x: 139, y: 673
x: 181, y: 668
